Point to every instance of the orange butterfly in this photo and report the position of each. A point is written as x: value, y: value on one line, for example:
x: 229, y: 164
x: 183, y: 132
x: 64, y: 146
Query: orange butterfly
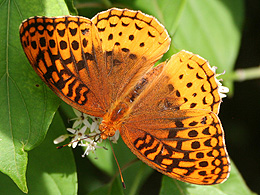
x: 104, y: 67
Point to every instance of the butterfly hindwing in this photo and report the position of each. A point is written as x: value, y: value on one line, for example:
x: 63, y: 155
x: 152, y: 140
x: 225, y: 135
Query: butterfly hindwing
x: 169, y: 133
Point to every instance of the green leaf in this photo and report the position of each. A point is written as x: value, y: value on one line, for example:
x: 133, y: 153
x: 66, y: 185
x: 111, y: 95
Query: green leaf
x: 50, y: 171
x: 103, y: 155
x: 233, y: 185
x: 172, y: 186
x: 167, y: 12
x: 102, y: 190
x: 136, y: 176
x: 115, y: 187
x: 210, y: 29
x: 71, y: 7
x: 134, y: 171
x: 27, y: 105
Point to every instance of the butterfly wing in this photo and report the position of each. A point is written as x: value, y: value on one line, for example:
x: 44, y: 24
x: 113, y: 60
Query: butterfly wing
x: 132, y: 42
x: 90, y: 66
x: 64, y: 52
x: 173, y: 124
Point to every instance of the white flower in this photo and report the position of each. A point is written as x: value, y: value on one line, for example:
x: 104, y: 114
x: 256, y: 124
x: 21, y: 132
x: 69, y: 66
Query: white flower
x: 115, y: 137
x: 79, y: 135
x: 91, y: 146
x: 221, y: 89
x: 95, y: 124
x: 81, y: 118
x: 61, y: 139
x: 85, y: 133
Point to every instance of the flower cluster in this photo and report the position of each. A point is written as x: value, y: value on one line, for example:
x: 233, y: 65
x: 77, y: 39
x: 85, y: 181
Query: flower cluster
x: 85, y: 133
x: 221, y: 89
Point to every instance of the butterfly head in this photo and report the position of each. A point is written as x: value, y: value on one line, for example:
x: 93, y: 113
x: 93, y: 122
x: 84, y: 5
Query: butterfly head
x: 107, y: 129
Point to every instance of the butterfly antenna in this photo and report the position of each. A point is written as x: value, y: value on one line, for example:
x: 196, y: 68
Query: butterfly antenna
x: 119, y: 169
x: 59, y: 147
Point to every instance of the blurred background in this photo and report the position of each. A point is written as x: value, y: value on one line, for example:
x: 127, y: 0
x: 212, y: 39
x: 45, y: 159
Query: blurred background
x: 240, y: 114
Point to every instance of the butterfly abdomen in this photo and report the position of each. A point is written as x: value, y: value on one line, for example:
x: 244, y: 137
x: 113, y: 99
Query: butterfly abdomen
x: 144, y: 82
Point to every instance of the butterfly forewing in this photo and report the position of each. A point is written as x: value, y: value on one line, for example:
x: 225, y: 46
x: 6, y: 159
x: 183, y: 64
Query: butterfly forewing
x: 132, y: 42
x: 62, y: 52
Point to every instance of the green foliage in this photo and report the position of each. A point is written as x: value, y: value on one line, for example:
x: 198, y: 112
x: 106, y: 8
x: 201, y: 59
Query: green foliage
x: 27, y: 106
x: 234, y: 185
x: 50, y: 171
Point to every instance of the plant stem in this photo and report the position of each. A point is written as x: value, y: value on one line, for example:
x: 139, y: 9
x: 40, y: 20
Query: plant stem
x: 106, y: 4
x: 89, y: 5
x: 242, y: 74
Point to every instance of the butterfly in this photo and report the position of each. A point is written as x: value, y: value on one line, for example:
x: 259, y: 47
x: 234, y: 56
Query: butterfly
x: 104, y: 67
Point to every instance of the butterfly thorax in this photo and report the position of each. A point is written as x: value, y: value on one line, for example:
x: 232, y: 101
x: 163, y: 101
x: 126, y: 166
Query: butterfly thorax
x: 112, y: 120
